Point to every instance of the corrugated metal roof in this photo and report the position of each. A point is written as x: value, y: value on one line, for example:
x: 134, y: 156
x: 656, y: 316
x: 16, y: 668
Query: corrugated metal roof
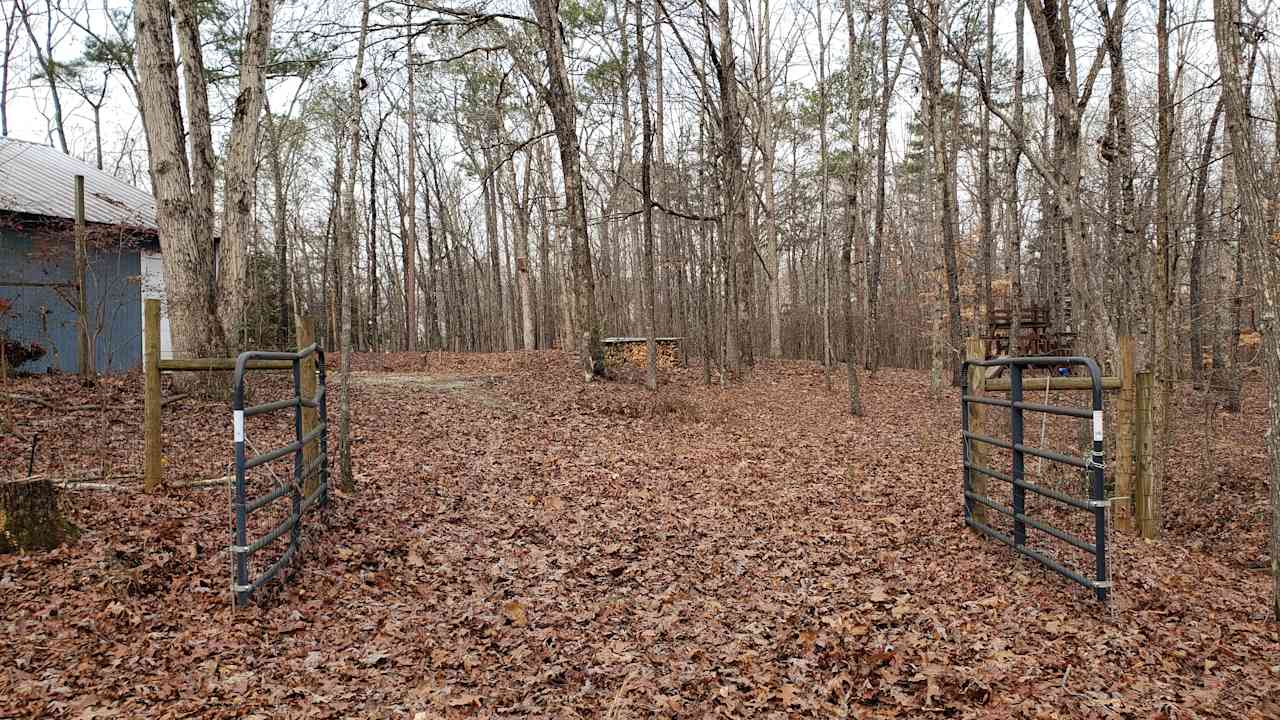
x: 38, y: 180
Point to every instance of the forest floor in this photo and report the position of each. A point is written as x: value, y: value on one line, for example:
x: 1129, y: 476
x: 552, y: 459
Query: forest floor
x: 521, y: 544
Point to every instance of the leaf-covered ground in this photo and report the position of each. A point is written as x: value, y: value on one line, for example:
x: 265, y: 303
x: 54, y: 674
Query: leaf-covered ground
x: 524, y: 545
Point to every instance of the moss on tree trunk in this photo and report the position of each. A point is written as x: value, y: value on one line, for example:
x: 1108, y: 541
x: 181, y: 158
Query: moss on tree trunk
x: 29, y: 517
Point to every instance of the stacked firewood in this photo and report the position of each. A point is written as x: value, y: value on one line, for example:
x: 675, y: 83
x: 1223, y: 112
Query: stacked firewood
x: 636, y: 354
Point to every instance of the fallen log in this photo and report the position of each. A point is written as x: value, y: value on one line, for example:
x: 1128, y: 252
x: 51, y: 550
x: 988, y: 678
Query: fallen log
x: 211, y: 482
x: 29, y: 399
x: 92, y: 486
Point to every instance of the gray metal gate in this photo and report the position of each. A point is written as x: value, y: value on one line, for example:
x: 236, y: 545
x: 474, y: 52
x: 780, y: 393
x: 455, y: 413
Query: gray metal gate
x: 242, y: 549
x: 1096, y: 503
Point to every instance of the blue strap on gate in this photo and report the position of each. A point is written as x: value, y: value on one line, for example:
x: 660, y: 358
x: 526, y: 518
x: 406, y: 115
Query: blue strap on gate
x: 243, y: 586
x: 1096, y: 504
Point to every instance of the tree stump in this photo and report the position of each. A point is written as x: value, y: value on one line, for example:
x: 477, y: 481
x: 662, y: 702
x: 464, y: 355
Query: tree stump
x: 29, y: 517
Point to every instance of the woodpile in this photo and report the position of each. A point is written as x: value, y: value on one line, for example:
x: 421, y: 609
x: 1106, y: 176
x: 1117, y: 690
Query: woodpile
x: 636, y: 354
x: 29, y: 517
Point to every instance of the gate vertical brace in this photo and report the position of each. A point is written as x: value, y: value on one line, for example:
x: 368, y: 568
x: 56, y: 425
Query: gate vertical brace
x: 965, y: 443
x: 295, y: 493
x: 324, y: 420
x: 1018, y: 471
x: 241, y: 558
x: 1098, y: 495
x: 975, y: 349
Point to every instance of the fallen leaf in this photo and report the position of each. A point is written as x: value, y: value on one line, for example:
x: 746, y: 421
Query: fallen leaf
x: 515, y: 612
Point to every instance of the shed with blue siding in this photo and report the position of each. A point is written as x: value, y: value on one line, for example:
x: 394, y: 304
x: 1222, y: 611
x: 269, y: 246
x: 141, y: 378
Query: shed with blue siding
x: 37, y: 259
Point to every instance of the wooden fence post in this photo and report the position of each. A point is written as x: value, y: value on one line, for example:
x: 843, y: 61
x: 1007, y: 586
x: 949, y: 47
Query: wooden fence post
x: 306, y: 333
x: 1126, y: 435
x: 83, y: 347
x: 1142, y: 438
x: 975, y: 349
x: 153, y: 471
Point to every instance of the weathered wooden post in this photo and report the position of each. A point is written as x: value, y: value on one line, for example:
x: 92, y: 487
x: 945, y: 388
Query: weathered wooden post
x: 83, y: 346
x: 1125, y: 433
x: 1144, y: 497
x: 306, y: 332
x: 153, y: 472
x: 975, y: 349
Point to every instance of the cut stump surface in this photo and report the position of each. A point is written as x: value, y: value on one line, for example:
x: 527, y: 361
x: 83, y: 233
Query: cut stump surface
x: 29, y: 517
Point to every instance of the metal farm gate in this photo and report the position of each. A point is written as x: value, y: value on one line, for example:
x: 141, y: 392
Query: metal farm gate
x: 308, y: 484
x: 1096, y: 504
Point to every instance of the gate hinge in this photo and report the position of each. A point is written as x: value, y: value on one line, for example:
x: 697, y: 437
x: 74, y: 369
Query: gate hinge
x: 1102, y: 585
x: 1099, y: 503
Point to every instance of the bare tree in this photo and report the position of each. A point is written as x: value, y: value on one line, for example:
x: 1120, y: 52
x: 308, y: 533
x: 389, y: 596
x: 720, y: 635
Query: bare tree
x: 6, y: 62
x: 347, y: 253
x: 183, y: 224
x: 558, y: 95
x: 240, y: 168
x: 927, y: 26
x: 769, y: 153
x: 853, y: 181
x: 1231, y: 33
x: 410, y: 252
x: 739, y: 246
x: 887, y: 83
x: 48, y: 66
x: 1014, y: 206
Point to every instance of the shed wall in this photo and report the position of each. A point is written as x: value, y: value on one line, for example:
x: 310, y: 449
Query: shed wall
x: 44, y: 315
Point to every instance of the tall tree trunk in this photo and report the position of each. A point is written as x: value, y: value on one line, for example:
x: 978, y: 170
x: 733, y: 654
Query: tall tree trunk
x: 371, y: 246
x: 1162, y: 344
x: 828, y: 353
x: 332, y: 233
x: 769, y: 138
x: 200, y: 147
x: 1054, y: 35
x: 646, y: 193
x: 548, y: 327
x: 436, y: 325
x: 1118, y: 151
x: 558, y: 95
x: 492, y: 236
x: 986, y: 199
x: 673, y: 255
x: 1200, y: 218
x: 240, y: 170
x: 927, y: 29
x: 1245, y: 159
x: 347, y: 255
x: 280, y: 214
x: 1229, y: 227
x: 738, y: 243
x: 410, y: 250
x: 1015, y: 205
x: 882, y: 144
x: 186, y: 246
x: 853, y: 179
x: 522, y: 219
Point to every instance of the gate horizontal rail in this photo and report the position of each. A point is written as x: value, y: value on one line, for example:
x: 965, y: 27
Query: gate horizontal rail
x: 1096, y: 504
x: 242, y: 549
